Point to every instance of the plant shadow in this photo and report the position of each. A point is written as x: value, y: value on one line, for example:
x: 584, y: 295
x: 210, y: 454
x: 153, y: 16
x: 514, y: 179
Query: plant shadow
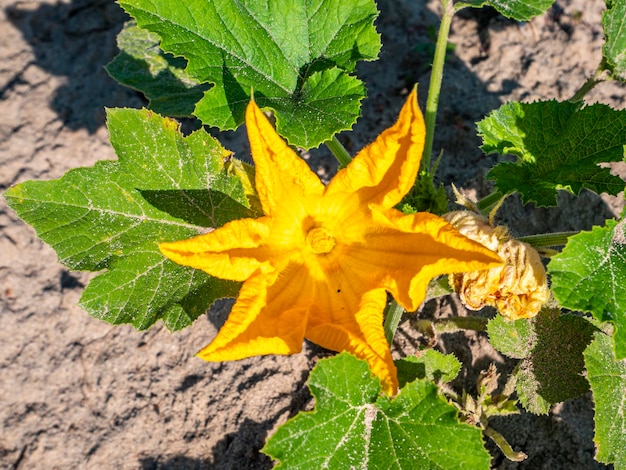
x: 74, y: 40
x: 240, y: 449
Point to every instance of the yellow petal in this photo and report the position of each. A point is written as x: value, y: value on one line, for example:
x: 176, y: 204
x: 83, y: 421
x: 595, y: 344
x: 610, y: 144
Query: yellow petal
x: 283, y: 179
x: 385, y: 171
x: 269, y: 317
x: 407, y: 251
x: 360, y: 332
x: 346, y: 315
x: 234, y: 251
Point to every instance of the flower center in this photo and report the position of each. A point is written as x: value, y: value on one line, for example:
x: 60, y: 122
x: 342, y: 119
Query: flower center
x: 320, y: 240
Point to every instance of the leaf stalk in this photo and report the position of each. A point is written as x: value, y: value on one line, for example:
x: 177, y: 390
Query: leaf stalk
x: 601, y: 74
x: 434, y: 89
x: 339, y: 151
x: 547, y: 239
x: 451, y: 324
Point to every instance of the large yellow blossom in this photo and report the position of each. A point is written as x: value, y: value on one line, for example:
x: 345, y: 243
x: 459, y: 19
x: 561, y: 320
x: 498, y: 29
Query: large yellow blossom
x: 319, y: 263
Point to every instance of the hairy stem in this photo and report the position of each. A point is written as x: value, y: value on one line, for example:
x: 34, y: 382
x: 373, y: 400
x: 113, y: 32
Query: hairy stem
x: 547, y: 239
x: 451, y: 324
x: 600, y: 75
x: 434, y: 90
x: 504, y: 446
x: 339, y: 151
x: 486, y: 204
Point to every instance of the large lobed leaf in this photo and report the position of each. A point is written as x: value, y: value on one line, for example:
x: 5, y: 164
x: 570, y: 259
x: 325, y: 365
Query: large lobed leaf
x: 590, y: 274
x: 297, y: 56
x: 521, y: 10
x: 551, y: 347
x: 110, y: 217
x: 614, y: 49
x: 353, y: 426
x: 558, y: 147
x: 161, y: 77
x: 607, y: 376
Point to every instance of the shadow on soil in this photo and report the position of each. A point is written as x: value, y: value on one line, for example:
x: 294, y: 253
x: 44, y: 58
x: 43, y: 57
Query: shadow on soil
x: 240, y: 449
x: 74, y: 40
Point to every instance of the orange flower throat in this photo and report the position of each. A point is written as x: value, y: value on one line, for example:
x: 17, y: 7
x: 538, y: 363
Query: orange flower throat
x: 320, y: 240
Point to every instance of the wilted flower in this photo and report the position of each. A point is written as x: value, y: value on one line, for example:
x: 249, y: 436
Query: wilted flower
x: 518, y: 289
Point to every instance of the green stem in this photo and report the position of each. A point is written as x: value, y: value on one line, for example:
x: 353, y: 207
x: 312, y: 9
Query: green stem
x: 601, y: 74
x: 486, y: 203
x: 339, y: 151
x: 451, y: 324
x: 547, y: 239
x: 393, y: 314
x: 434, y: 90
x: 504, y: 446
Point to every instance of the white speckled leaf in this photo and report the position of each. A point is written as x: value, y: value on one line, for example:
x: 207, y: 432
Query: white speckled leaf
x: 590, y: 274
x: 297, y: 55
x: 111, y: 217
x: 607, y: 377
x: 521, y: 10
x: 353, y: 426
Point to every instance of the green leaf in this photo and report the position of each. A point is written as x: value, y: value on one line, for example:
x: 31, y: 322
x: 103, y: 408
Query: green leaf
x: 520, y: 10
x: 297, y: 55
x: 353, y: 426
x: 590, y: 274
x: 110, y: 217
x: 614, y: 49
x: 512, y: 338
x: 161, y: 77
x: 551, y: 346
x: 558, y: 145
x: 430, y: 365
x: 607, y: 377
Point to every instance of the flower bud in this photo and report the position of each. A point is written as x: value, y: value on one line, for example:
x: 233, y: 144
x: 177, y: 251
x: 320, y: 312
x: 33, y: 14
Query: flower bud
x: 518, y: 289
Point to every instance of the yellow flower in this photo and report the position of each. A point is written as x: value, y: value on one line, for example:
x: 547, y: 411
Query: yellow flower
x: 318, y: 264
x: 518, y: 289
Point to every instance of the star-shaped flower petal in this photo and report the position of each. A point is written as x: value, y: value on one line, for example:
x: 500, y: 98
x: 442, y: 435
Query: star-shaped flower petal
x: 319, y: 263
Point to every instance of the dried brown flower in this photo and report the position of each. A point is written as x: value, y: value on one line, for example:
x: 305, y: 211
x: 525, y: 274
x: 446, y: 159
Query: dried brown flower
x: 518, y: 289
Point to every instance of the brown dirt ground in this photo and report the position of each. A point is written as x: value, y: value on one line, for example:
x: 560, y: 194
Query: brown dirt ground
x: 79, y: 393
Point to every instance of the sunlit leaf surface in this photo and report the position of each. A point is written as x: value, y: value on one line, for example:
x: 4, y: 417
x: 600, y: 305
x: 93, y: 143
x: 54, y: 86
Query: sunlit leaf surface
x: 110, y: 218
x: 354, y: 426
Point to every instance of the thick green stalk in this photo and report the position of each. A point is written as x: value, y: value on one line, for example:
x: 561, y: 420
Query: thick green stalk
x: 601, y: 74
x: 547, y: 239
x: 434, y: 90
x: 504, y: 446
x: 451, y: 324
x: 339, y: 151
x: 486, y: 204
x: 393, y: 314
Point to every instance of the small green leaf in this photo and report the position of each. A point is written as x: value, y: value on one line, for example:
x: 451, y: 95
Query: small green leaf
x: 551, y: 346
x: 614, y: 49
x: 161, y: 77
x: 512, y: 338
x: 425, y: 197
x: 521, y: 10
x: 607, y: 377
x: 111, y: 217
x: 590, y: 274
x: 297, y: 56
x: 353, y: 426
x: 430, y: 365
x: 558, y: 145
